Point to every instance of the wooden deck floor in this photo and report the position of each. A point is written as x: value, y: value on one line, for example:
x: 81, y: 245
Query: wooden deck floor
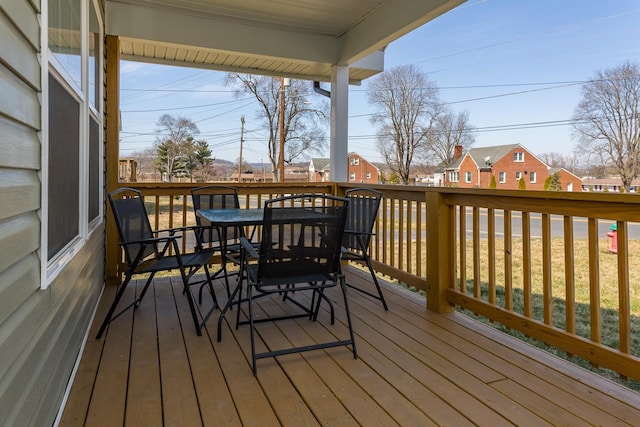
x: 415, y: 368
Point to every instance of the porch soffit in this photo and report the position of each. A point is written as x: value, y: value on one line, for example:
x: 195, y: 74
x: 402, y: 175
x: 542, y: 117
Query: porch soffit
x: 299, y: 39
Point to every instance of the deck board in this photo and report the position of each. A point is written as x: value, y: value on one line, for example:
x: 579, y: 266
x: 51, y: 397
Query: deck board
x: 414, y: 368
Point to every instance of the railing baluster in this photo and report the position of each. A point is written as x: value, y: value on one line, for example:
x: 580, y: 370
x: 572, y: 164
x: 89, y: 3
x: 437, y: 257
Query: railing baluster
x: 594, y: 280
x: 463, y: 249
x: 491, y: 261
x: 392, y: 234
x: 408, y: 230
x: 624, y: 309
x: 526, y: 263
x: 508, y: 261
x: 569, y: 276
x: 418, y: 230
x: 547, y: 294
x: 476, y: 251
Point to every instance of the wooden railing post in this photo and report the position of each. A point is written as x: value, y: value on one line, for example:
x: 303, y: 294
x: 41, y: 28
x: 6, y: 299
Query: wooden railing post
x: 440, y: 251
x: 112, y: 150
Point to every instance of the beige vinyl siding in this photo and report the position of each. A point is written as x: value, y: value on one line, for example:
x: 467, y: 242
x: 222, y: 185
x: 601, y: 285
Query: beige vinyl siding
x: 41, y: 331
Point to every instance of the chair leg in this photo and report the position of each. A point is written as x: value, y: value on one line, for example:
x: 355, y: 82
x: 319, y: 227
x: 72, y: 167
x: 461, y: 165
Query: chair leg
x: 375, y: 281
x: 107, y: 318
x: 343, y: 286
x: 207, y: 282
x: 224, y: 310
x: 252, y: 331
x: 192, y: 306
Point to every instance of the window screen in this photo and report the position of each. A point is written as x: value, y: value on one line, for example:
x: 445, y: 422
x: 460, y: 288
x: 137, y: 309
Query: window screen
x: 64, y: 164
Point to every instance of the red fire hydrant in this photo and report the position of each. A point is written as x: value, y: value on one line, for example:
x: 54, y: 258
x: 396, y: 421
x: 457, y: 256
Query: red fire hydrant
x: 613, y: 235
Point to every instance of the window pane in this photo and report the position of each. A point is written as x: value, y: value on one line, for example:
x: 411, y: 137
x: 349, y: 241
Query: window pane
x: 64, y: 167
x: 94, y: 51
x: 64, y: 36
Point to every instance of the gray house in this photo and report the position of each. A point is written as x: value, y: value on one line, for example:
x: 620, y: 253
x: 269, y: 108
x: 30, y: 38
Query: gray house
x: 59, y: 102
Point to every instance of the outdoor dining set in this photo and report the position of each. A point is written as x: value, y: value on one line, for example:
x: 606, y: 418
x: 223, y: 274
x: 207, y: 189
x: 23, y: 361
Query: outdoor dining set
x: 292, y: 247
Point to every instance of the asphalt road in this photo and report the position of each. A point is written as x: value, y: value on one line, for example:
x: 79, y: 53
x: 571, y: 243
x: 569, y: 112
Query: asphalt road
x: 557, y: 225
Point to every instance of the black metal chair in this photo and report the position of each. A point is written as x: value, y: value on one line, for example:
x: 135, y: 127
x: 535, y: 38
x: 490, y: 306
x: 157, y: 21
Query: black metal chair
x: 148, y: 251
x: 225, y: 239
x: 299, y: 254
x: 363, y: 210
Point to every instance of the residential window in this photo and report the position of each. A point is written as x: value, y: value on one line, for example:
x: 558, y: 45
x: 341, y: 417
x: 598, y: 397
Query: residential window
x: 355, y: 161
x: 352, y: 177
x: 368, y: 175
x: 532, y: 177
x: 72, y: 137
x: 518, y: 176
x: 518, y: 157
x: 467, y: 177
x: 502, y: 177
x: 453, y: 176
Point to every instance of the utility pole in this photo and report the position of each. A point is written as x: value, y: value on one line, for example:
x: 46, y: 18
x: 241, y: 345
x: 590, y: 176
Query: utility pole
x: 241, y: 140
x: 283, y: 82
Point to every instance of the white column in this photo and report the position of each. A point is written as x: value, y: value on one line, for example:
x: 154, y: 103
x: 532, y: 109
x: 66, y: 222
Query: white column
x: 338, y: 151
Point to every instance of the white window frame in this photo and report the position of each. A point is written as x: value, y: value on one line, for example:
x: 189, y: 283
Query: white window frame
x: 352, y: 176
x: 518, y: 176
x: 518, y: 156
x: 368, y: 175
x: 51, y: 268
x: 532, y: 177
x: 355, y: 161
x: 468, y: 177
x: 454, y: 176
x: 502, y: 177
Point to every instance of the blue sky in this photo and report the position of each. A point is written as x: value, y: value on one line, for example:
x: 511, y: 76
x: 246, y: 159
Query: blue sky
x: 514, y: 65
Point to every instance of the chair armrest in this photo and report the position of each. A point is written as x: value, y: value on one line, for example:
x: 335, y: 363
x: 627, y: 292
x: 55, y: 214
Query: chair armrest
x: 354, y: 232
x: 174, y: 230
x: 248, y: 246
x: 148, y: 241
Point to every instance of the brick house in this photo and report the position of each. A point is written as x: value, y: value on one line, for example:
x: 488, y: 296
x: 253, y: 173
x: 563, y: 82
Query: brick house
x: 508, y: 164
x: 360, y: 170
x: 568, y: 180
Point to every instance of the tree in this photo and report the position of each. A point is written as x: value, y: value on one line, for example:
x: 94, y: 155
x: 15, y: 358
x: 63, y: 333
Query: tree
x: 450, y: 129
x: 558, y: 160
x: 521, y: 184
x: 607, y: 119
x: 176, y: 147
x: 492, y: 182
x: 304, y: 125
x: 408, y: 106
x: 552, y: 183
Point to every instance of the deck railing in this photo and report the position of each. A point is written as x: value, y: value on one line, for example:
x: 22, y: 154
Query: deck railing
x: 536, y: 262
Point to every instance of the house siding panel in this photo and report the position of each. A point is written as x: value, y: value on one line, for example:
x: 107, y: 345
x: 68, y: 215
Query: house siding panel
x: 41, y: 331
x: 19, y: 145
x: 13, y: 47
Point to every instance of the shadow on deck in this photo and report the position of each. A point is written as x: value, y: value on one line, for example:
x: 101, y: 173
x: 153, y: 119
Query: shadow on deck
x: 415, y: 368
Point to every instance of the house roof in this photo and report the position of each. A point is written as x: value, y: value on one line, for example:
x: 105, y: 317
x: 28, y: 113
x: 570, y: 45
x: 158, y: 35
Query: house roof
x: 320, y: 164
x: 300, y: 39
x: 324, y: 163
x: 484, y: 156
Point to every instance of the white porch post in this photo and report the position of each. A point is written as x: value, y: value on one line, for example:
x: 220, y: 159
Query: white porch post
x: 339, y: 122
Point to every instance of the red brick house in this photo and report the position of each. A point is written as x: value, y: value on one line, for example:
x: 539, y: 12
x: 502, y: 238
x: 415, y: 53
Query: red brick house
x: 508, y: 164
x: 360, y: 170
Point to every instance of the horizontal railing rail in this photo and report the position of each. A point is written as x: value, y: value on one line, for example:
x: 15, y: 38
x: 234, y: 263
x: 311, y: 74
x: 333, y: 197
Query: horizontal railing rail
x: 537, y: 262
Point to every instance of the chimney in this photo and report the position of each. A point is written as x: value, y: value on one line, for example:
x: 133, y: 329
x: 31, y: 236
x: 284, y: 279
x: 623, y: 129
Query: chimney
x: 457, y: 152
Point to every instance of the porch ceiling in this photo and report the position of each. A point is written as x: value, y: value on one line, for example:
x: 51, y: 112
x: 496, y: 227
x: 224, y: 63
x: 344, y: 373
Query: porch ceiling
x: 299, y: 39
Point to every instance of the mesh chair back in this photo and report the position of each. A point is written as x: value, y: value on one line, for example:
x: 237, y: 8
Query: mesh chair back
x: 301, y: 239
x: 215, y: 197
x: 132, y: 221
x: 363, y: 211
